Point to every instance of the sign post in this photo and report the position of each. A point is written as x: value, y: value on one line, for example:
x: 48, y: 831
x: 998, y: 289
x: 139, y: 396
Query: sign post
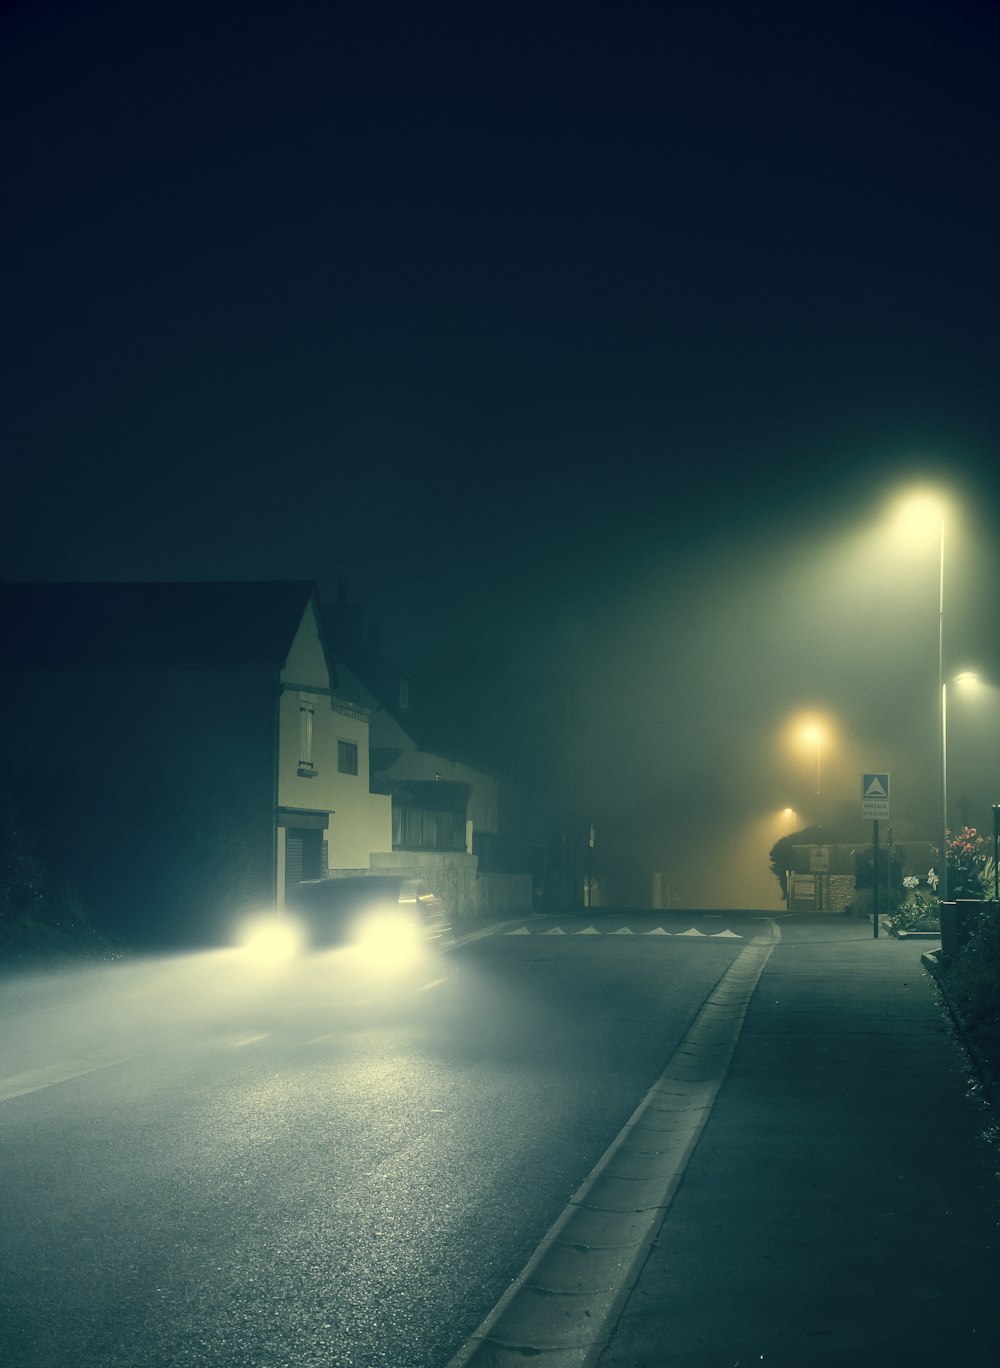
x: 875, y: 878
x: 875, y: 804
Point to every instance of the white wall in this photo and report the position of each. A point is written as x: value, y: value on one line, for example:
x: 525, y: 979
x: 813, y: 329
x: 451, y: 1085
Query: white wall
x: 355, y: 820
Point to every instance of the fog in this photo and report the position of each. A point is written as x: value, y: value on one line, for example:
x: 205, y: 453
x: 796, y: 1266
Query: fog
x: 694, y: 677
x: 91, y: 1017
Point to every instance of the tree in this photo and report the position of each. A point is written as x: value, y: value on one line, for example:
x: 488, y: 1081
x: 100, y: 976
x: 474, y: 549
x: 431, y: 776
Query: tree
x: 22, y: 874
x: 785, y: 856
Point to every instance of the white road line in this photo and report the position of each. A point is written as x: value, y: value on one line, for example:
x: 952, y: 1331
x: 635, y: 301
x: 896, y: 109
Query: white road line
x: 434, y: 983
x: 621, y: 931
x: 50, y: 1074
x: 237, y: 1042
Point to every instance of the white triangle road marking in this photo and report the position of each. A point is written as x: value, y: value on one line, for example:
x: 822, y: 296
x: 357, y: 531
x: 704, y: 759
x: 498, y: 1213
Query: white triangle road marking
x: 690, y: 932
x: 733, y: 935
x: 556, y: 931
x: 589, y: 931
x: 521, y: 931
x: 657, y: 931
x: 622, y: 931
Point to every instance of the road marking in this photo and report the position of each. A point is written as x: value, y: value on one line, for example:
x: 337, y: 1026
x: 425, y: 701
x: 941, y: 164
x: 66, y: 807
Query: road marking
x: 494, y: 929
x: 50, y: 1074
x: 590, y: 1260
x: 621, y: 931
x: 434, y: 983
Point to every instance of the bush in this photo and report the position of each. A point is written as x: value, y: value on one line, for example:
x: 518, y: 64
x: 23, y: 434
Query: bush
x: 973, y: 978
x: 966, y: 863
x: 40, y: 917
x: 920, y: 912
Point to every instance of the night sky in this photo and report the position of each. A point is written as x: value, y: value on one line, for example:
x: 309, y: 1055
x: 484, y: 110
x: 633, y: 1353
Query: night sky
x: 586, y: 340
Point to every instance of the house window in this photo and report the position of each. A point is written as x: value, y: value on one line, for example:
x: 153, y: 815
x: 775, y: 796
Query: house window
x: 306, y: 711
x: 347, y: 757
x: 423, y: 829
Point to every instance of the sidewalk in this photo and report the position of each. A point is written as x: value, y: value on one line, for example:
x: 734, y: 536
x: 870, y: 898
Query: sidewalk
x: 842, y: 1206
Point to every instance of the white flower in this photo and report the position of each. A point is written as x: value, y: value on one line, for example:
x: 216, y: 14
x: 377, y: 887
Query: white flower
x: 932, y: 878
x: 911, y: 881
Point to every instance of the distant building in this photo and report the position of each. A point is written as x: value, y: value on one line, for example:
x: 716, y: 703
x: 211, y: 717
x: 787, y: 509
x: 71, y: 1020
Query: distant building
x: 445, y: 810
x: 181, y: 749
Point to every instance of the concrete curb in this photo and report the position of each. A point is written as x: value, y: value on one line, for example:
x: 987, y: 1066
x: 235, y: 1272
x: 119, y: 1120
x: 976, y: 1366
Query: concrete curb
x: 562, y: 1308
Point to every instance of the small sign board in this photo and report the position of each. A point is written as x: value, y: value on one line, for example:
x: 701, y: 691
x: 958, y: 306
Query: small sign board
x: 875, y: 796
x: 819, y: 859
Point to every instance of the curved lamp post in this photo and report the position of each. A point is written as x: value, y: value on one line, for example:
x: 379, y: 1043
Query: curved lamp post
x: 814, y: 736
x: 922, y: 514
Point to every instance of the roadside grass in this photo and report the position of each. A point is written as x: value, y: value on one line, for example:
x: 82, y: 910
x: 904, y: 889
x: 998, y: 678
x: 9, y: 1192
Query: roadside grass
x: 29, y: 942
x: 972, y: 981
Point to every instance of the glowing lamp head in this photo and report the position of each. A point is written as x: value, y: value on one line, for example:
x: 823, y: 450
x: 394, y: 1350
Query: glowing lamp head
x: 920, y: 517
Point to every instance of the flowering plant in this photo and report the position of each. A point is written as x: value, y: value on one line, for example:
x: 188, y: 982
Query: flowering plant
x: 967, y: 857
x: 919, y: 911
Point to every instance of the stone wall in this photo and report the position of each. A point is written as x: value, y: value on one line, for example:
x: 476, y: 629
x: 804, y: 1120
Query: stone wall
x: 820, y: 892
x: 449, y: 874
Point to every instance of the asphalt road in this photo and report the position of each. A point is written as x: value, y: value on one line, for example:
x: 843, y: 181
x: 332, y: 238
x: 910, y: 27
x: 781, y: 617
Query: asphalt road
x: 202, y: 1171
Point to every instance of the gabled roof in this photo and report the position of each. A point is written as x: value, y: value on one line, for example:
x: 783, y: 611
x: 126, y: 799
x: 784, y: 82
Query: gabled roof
x: 153, y: 625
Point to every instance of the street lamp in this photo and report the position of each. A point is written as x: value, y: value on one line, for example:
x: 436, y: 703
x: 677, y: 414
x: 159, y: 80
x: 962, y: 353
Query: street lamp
x: 814, y: 735
x: 922, y: 515
x: 968, y: 679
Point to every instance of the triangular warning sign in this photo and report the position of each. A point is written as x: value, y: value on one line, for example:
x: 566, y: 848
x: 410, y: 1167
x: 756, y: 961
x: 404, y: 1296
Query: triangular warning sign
x: 874, y: 787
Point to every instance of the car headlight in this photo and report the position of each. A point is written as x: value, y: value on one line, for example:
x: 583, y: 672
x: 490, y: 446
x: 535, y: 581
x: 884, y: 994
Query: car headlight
x: 390, y: 940
x: 272, y: 940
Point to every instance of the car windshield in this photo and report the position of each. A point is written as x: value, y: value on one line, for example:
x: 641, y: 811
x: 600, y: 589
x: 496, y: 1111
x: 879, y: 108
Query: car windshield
x: 350, y: 895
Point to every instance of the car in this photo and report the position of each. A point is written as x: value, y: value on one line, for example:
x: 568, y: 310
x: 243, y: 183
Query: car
x: 378, y: 924
x: 387, y: 909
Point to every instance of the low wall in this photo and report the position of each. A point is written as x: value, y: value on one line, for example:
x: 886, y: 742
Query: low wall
x: 451, y: 875
x: 455, y: 877
x: 820, y: 892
